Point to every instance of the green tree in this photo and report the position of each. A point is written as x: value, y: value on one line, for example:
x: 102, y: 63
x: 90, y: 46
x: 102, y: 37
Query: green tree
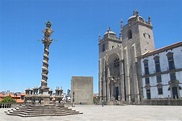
x: 8, y: 99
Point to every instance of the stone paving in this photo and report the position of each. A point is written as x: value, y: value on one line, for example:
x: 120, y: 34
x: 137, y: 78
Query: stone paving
x: 110, y: 113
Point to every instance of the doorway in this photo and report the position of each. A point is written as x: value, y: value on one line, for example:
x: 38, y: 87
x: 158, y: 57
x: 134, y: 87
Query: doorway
x: 117, y: 93
x: 148, y: 94
x: 175, y: 92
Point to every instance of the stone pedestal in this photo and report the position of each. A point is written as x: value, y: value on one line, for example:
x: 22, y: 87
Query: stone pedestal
x: 46, y: 98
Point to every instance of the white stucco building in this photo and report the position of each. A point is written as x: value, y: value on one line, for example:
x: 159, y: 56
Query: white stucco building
x: 162, y: 73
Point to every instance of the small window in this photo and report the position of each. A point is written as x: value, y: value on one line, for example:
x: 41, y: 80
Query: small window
x: 160, y: 91
x: 172, y: 76
x: 159, y: 79
x: 170, y: 61
x: 103, y: 47
x: 157, y: 64
x: 149, y: 36
x: 146, y: 67
x: 147, y: 81
x: 144, y: 34
x: 129, y: 34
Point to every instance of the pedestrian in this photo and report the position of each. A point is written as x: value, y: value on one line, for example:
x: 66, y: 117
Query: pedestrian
x: 102, y: 103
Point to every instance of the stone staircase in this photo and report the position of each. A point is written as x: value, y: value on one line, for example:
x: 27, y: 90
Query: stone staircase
x: 46, y: 110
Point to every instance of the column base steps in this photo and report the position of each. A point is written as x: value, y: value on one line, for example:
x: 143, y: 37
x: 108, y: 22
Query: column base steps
x: 46, y: 110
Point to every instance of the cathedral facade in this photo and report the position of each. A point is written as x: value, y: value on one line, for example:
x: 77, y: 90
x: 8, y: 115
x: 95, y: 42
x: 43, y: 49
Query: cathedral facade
x: 119, y: 69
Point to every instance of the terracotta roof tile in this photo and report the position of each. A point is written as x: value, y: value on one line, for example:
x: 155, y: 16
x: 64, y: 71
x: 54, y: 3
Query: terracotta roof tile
x: 19, y: 100
x: 2, y: 95
x: 23, y: 94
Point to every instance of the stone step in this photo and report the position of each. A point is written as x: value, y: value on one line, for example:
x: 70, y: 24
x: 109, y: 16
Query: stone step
x: 48, y: 110
x: 41, y: 112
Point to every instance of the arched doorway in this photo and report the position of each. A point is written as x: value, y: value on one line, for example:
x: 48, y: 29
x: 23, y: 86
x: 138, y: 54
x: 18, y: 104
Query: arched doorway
x: 114, y: 76
x: 116, y: 93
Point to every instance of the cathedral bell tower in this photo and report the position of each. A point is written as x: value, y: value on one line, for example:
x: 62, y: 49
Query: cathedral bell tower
x: 137, y: 39
x: 109, y: 67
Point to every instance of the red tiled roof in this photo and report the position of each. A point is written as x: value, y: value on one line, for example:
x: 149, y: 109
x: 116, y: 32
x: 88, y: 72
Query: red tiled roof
x: 19, y: 101
x: 1, y: 95
x: 23, y: 94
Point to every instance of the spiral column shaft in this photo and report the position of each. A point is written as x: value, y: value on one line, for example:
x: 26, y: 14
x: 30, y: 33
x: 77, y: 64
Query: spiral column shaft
x: 45, y: 64
x: 46, y: 41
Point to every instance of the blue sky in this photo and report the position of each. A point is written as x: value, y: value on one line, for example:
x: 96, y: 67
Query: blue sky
x: 76, y: 25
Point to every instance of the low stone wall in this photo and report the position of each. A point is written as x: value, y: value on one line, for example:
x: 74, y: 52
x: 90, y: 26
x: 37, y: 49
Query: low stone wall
x: 162, y: 102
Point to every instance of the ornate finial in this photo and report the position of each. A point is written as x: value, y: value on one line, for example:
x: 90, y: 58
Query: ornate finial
x: 48, y: 24
x: 135, y: 13
x: 109, y: 29
x: 121, y: 23
x: 120, y: 34
x: 99, y: 37
x: 149, y: 19
x: 48, y: 31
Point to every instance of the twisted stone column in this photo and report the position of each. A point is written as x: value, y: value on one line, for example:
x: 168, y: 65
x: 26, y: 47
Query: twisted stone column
x: 45, y: 64
x: 46, y: 41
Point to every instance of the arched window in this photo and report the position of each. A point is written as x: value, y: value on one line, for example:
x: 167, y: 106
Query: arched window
x: 129, y: 34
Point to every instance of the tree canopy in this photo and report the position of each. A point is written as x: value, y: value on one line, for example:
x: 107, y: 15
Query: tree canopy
x: 8, y: 99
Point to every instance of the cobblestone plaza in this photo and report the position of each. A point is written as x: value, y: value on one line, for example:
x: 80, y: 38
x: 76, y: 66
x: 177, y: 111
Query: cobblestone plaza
x: 110, y: 113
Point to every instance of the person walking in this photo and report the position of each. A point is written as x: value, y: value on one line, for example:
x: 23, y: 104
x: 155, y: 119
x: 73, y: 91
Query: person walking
x: 102, y: 103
